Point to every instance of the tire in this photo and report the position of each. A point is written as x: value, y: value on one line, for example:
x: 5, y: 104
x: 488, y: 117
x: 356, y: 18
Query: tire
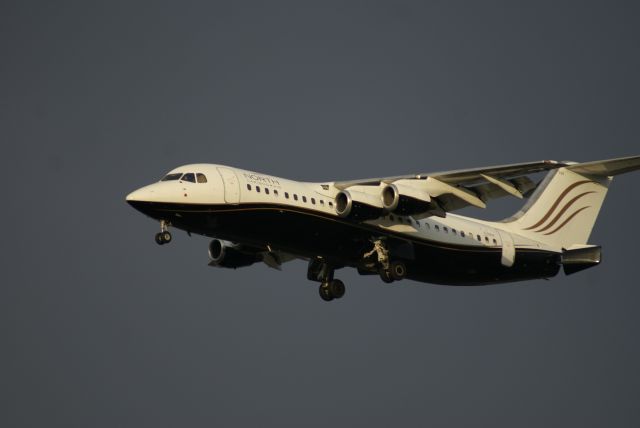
x: 325, y: 293
x: 336, y: 288
x: 159, y: 239
x: 385, y: 276
x: 166, y: 237
x: 398, y: 270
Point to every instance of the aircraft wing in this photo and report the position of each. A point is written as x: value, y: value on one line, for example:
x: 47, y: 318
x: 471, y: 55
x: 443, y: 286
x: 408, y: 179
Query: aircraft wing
x: 457, y: 189
x: 609, y: 167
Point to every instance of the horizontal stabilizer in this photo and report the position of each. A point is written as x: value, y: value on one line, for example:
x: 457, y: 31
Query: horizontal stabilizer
x: 581, y: 258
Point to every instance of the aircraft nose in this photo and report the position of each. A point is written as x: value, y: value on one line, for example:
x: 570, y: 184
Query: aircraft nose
x: 141, y: 195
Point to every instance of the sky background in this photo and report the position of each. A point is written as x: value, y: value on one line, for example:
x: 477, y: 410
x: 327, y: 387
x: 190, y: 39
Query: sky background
x: 101, y: 327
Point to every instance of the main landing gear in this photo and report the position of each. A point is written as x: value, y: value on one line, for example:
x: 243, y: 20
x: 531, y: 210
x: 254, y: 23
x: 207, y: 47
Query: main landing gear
x: 388, y: 270
x: 164, y: 236
x: 330, y: 288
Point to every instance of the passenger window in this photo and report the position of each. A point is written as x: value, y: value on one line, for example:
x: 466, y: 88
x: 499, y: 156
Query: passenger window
x: 454, y: 231
x: 275, y: 192
x: 495, y: 242
x: 304, y: 199
x: 189, y: 177
x: 286, y: 195
x: 201, y: 178
x: 295, y: 197
x: 437, y: 228
x: 427, y: 226
x: 248, y: 186
x: 446, y: 230
x: 479, y: 238
x: 266, y: 190
x: 462, y: 233
x: 313, y: 201
x: 321, y: 202
x: 258, y: 189
x: 330, y: 203
x: 486, y: 238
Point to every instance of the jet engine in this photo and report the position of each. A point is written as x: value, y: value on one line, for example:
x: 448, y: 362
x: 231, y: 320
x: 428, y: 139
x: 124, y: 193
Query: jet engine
x: 357, y: 205
x: 405, y: 200
x: 228, y: 255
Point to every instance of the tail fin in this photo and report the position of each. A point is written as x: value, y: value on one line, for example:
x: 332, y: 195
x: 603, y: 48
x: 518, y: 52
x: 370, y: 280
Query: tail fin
x: 565, y: 206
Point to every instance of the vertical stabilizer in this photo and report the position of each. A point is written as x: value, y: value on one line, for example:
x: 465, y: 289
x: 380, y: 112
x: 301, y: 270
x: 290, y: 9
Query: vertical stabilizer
x: 565, y: 206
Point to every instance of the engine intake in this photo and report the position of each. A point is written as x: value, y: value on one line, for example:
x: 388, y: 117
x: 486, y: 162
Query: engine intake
x: 225, y: 254
x: 405, y: 200
x: 357, y: 205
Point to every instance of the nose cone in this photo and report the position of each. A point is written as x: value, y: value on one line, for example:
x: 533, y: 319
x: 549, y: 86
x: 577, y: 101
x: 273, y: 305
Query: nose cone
x: 150, y: 197
x: 143, y: 199
x: 143, y: 194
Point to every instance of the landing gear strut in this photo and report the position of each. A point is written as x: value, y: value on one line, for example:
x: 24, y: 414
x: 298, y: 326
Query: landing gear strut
x: 164, y: 236
x: 389, y: 270
x: 330, y: 288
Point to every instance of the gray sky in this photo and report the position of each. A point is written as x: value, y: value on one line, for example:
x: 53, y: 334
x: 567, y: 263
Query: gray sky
x: 101, y: 327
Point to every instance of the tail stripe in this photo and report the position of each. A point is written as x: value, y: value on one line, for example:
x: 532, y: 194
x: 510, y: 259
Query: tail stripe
x: 563, y: 210
x: 557, y: 202
x: 567, y: 220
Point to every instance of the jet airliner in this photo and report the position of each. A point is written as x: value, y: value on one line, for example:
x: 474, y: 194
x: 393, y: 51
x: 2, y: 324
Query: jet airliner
x: 393, y: 227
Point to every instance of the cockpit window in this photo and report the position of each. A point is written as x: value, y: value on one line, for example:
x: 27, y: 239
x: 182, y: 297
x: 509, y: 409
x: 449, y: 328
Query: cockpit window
x: 170, y: 177
x: 201, y: 178
x: 189, y: 176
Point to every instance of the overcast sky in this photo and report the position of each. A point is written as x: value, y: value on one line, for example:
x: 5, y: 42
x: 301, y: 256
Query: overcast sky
x: 101, y: 327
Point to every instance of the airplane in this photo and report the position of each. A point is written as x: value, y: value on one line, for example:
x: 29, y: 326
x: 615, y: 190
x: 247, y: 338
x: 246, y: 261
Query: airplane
x: 398, y: 228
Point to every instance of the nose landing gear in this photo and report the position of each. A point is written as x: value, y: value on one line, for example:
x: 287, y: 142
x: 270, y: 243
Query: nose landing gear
x: 164, y: 236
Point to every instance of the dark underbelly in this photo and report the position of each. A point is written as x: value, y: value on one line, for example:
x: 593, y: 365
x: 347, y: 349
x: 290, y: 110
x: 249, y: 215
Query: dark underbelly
x: 307, y: 233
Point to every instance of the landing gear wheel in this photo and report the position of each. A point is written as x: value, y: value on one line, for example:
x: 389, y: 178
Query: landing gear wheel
x: 385, y: 276
x: 398, y: 270
x: 336, y: 288
x: 325, y: 293
x: 159, y: 239
x: 166, y: 237
x: 163, y: 237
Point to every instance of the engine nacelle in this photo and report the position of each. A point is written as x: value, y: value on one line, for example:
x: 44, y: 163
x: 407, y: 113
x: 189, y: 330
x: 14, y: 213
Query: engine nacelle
x: 357, y: 205
x: 405, y: 200
x: 225, y: 254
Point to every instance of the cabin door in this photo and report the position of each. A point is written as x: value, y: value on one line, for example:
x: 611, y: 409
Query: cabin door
x: 231, y: 185
x: 508, y: 249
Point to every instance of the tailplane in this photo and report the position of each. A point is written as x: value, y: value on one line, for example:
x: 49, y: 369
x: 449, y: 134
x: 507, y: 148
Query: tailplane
x: 564, y: 208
